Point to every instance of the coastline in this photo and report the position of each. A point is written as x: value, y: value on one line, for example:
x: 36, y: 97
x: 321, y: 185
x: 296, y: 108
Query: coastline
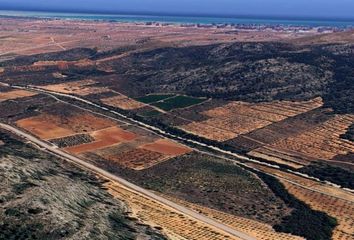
x: 182, y: 20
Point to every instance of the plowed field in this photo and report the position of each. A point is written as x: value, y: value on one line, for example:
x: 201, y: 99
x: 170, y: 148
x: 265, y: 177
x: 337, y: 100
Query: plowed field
x: 237, y: 118
x: 167, y: 147
x: 104, y: 138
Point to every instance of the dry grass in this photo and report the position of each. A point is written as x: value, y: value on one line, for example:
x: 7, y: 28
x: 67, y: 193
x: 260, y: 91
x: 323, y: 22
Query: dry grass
x: 15, y: 94
x: 122, y: 102
x: 81, y: 88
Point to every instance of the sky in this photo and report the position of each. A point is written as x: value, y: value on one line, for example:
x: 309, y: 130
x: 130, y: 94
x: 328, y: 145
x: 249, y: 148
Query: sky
x: 290, y: 8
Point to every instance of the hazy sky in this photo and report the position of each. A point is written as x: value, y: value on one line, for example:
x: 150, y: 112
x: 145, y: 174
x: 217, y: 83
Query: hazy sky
x: 315, y: 8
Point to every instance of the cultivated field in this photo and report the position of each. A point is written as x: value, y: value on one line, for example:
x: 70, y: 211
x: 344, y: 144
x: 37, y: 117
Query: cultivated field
x: 320, y: 143
x: 80, y: 133
x: 103, y: 138
x: 122, y: 102
x: 256, y: 229
x: 49, y: 126
x: 154, y: 98
x: 142, y: 153
x: 136, y: 158
x: 172, y: 103
x: 167, y: 147
x: 175, y: 225
x: 41, y: 127
x: 342, y: 210
x: 236, y: 118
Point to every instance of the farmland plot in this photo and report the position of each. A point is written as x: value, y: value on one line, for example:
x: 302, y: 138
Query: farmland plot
x: 322, y: 142
x: 15, y: 94
x: 237, y: 118
x: 122, y: 102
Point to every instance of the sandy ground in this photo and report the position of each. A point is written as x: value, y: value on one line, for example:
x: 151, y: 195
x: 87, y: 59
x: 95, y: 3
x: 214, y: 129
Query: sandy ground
x: 167, y: 147
x: 15, y: 95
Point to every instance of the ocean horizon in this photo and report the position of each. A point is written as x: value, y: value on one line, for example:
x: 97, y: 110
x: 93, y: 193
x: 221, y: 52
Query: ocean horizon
x: 179, y: 19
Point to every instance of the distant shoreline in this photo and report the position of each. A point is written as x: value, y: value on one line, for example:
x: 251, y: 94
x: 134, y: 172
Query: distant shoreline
x: 198, y: 15
x: 183, y: 19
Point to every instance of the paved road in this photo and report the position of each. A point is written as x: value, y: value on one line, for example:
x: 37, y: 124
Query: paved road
x: 127, y: 184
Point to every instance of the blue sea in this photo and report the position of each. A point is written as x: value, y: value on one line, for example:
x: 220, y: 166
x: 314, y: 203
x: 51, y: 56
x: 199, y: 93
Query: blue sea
x: 183, y: 19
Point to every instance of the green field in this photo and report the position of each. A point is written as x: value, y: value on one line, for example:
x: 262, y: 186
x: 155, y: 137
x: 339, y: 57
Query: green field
x: 150, y: 113
x: 178, y: 102
x: 154, y: 98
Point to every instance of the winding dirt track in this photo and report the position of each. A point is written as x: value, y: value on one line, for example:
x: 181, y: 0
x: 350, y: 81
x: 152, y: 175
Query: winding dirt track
x: 49, y: 147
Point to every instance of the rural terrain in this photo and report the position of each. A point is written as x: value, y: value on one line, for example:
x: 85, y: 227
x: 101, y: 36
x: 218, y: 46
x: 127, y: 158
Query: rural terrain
x: 131, y: 131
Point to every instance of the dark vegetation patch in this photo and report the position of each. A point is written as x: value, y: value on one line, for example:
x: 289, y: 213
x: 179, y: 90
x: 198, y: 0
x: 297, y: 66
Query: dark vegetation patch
x: 21, y: 107
x: 43, y: 197
x: 178, y: 102
x: 68, y: 55
x: 303, y: 221
x: 153, y: 98
x: 72, y: 140
x: 342, y: 161
x: 112, y: 53
x: 209, y: 182
x: 349, y: 135
x: 152, y: 113
x: 330, y: 173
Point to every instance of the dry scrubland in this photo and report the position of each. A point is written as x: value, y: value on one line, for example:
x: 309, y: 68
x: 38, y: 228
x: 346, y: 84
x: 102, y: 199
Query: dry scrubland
x: 43, y: 197
x: 58, y: 35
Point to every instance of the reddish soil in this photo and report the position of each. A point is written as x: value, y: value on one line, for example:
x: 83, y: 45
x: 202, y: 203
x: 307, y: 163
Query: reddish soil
x: 104, y: 138
x: 137, y: 159
x: 167, y: 147
x: 43, y: 129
